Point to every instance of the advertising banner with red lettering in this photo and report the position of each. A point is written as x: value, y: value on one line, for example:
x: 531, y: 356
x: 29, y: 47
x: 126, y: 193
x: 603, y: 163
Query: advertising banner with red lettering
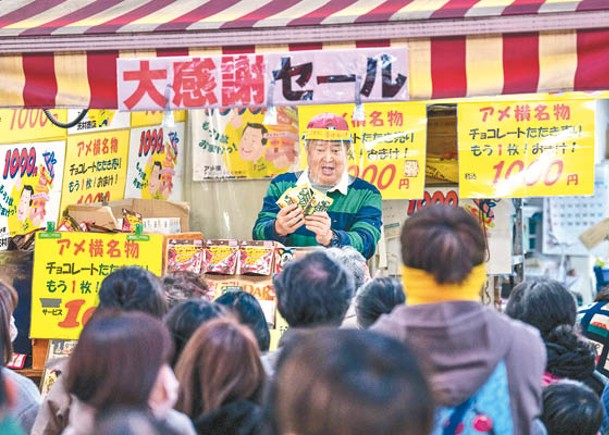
x: 291, y: 78
x: 156, y: 163
x: 388, y: 145
x: 514, y: 149
x: 30, y: 125
x: 96, y: 167
x: 68, y: 271
x: 30, y: 187
x: 237, y: 143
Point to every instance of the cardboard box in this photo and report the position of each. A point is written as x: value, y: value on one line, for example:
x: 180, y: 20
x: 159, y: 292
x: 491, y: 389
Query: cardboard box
x: 107, y: 215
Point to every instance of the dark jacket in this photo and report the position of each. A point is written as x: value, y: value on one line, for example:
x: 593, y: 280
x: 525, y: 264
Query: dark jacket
x: 241, y: 417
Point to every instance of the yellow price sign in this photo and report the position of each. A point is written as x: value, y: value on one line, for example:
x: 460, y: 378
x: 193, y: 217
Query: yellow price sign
x: 69, y: 269
x: 389, y: 146
x: 514, y: 149
x: 30, y: 125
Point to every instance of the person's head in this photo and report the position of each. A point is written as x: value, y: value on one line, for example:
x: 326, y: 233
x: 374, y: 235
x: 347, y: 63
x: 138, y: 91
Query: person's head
x: 118, y: 359
x: 327, y: 142
x: 155, y: 177
x: 132, y: 288
x: 253, y: 141
x: 351, y: 382
x: 445, y: 241
x: 8, y: 302
x: 131, y: 421
x: 185, y: 318
x: 314, y: 290
x: 443, y: 252
x: 220, y: 364
x: 184, y: 285
x: 571, y: 408
x: 378, y: 296
x: 249, y: 312
x: 25, y: 201
x: 543, y: 303
x: 353, y: 261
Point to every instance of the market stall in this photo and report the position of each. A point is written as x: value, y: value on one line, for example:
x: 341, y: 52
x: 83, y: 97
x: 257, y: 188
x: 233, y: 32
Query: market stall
x: 134, y: 56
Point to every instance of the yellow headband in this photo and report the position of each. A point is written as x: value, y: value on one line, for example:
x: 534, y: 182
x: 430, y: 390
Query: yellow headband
x: 422, y: 288
x: 326, y: 134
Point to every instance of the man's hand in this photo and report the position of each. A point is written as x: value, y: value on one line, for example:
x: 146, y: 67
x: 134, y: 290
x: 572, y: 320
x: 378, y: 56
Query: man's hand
x: 320, y: 224
x: 288, y: 220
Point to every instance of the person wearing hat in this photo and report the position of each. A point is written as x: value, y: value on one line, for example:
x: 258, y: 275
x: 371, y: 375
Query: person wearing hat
x: 353, y: 218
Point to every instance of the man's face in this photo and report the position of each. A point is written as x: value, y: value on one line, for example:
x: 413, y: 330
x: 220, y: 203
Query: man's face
x: 250, y: 146
x: 153, y: 183
x: 24, y: 205
x: 327, y: 161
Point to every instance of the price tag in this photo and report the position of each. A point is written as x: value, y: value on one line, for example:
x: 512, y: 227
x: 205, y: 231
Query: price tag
x: 514, y: 149
x: 24, y: 125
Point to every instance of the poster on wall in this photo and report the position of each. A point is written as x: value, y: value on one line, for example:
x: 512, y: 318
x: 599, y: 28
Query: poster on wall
x: 30, y: 188
x: 98, y: 120
x: 69, y: 269
x: 388, y: 145
x: 95, y: 168
x: 156, y: 163
x: 237, y: 144
x: 30, y: 125
x: 514, y: 149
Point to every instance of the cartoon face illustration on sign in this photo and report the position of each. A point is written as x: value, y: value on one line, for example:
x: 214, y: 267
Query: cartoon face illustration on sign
x: 253, y: 141
x: 154, y: 181
x: 25, y: 201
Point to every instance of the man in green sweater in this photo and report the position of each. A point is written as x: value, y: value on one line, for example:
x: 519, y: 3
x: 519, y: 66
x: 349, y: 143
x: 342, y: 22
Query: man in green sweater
x: 354, y: 217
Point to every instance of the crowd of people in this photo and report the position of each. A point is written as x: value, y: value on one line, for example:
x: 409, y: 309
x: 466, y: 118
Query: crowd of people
x: 362, y: 355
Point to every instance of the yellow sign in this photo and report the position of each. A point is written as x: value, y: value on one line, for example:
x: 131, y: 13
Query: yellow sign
x: 514, y: 149
x: 95, y: 168
x: 389, y: 147
x: 69, y: 269
x: 30, y: 125
x: 154, y: 117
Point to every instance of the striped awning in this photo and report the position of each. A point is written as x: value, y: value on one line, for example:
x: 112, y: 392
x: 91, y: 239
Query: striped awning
x: 62, y: 53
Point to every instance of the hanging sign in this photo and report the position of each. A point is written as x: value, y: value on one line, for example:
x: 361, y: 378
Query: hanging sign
x: 292, y: 78
x: 30, y: 125
x: 514, y: 149
x: 69, y: 269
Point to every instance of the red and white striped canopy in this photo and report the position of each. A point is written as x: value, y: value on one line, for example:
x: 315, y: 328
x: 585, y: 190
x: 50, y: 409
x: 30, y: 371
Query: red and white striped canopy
x: 62, y: 53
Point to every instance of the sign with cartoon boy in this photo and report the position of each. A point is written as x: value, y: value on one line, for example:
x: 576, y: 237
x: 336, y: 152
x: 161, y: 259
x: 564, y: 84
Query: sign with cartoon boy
x: 30, y: 190
x: 156, y: 161
x: 237, y: 143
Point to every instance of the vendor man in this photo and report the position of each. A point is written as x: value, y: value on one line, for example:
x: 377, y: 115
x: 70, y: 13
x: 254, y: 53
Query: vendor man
x: 354, y: 218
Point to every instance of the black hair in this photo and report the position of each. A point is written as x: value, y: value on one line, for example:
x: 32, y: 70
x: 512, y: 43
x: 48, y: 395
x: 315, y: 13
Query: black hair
x: 184, y: 319
x: 351, y: 381
x: 257, y: 126
x: 314, y: 290
x: 378, y: 296
x: 132, y: 288
x: 571, y: 408
x: 543, y: 303
x: 250, y: 313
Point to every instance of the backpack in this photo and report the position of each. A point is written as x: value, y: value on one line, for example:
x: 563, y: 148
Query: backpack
x: 486, y: 412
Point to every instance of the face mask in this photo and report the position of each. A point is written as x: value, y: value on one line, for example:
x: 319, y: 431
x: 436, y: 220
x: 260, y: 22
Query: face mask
x: 13, y: 330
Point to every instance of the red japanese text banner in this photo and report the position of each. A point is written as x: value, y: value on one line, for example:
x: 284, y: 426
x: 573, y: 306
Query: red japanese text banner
x: 303, y: 77
x: 69, y: 269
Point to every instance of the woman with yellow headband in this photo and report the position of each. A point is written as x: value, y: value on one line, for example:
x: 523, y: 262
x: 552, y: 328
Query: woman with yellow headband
x: 485, y: 369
